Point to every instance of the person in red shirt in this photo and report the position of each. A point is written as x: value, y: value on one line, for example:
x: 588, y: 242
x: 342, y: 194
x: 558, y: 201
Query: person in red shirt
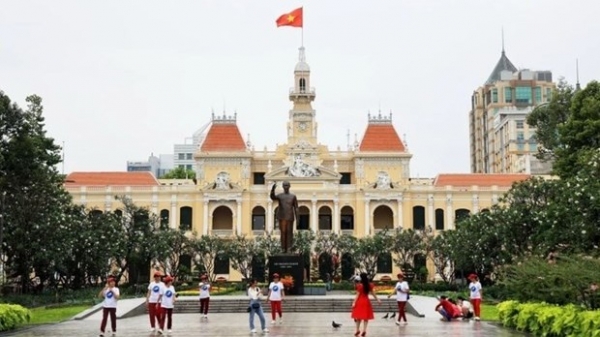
x: 446, y: 309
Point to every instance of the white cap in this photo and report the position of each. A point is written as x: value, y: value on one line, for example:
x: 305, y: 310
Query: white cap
x: 357, y: 278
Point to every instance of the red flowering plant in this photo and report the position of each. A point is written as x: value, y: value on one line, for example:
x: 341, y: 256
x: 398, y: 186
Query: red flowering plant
x: 288, y: 282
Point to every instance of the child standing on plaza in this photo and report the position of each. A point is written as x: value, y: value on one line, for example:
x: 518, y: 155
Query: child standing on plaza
x: 152, y: 303
x: 204, y: 295
x: 362, y: 310
x: 401, y: 291
x: 275, y: 296
x: 110, y: 294
x: 254, y: 307
x: 167, y: 300
x: 475, y: 296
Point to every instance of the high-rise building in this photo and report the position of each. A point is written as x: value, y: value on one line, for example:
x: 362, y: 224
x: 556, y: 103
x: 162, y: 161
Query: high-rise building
x: 499, y: 134
x: 159, y: 166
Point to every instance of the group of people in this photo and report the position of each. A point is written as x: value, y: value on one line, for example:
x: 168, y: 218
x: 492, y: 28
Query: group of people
x: 161, y: 298
x: 452, y: 309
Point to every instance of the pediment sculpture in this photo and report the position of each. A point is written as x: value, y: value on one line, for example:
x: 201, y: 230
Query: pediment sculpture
x: 383, y: 181
x: 299, y: 168
x: 222, y: 182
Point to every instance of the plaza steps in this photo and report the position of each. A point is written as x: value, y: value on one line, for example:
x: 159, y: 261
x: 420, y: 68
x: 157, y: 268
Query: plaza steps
x: 239, y: 304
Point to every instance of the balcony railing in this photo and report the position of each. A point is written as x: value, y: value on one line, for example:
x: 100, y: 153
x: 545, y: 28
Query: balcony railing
x: 302, y: 91
x: 347, y: 231
x: 222, y: 232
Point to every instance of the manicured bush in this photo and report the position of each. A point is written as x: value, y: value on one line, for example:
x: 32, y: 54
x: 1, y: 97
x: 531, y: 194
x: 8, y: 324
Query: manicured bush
x: 550, y: 320
x: 13, y: 315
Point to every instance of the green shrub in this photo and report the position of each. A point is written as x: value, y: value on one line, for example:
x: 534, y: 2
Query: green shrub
x: 536, y: 280
x: 550, y: 320
x: 13, y: 315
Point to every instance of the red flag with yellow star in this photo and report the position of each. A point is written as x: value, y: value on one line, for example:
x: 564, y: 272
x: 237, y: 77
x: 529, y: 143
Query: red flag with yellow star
x: 292, y: 19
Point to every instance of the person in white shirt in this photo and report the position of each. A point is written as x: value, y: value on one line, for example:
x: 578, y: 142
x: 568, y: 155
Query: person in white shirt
x: 401, y: 290
x: 254, y: 307
x: 204, y: 295
x: 275, y: 296
x: 152, y: 300
x: 167, y: 300
x: 110, y: 293
x: 475, y: 296
x: 465, y: 307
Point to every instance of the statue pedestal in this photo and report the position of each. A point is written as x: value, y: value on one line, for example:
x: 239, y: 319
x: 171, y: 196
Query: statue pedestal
x: 288, y: 265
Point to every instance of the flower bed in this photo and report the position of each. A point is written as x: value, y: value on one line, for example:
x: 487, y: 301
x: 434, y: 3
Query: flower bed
x: 542, y: 319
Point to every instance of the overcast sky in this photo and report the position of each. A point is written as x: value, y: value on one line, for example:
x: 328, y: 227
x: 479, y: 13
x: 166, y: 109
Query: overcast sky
x: 122, y: 79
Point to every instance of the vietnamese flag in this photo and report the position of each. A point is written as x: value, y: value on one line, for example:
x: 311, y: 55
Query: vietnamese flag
x: 292, y: 19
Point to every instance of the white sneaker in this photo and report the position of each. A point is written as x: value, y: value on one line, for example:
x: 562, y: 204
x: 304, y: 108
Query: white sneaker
x: 101, y: 334
x: 152, y: 329
x: 273, y: 322
x: 206, y: 316
x: 280, y: 321
x: 477, y: 318
x: 265, y: 330
x: 398, y: 323
x: 160, y: 332
x: 170, y: 332
x: 253, y: 331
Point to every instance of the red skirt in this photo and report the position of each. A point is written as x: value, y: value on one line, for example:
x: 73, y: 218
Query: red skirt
x: 363, y: 310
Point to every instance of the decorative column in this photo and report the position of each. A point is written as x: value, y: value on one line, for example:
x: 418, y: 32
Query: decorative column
x: 430, y: 213
x: 400, y: 213
x: 449, y: 212
x: 82, y: 195
x: 475, y: 203
x: 174, y: 214
x: 336, y: 216
x: 238, y: 216
x: 155, y: 200
x: 205, y: 223
x: 314, y: 216
x: 108, y: 199
x: 270, y: 217
x: 367, y: 217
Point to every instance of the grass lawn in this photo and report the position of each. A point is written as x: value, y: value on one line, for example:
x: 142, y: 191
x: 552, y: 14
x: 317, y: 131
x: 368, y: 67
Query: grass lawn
x: 54, y: 315
x: 489, y: 312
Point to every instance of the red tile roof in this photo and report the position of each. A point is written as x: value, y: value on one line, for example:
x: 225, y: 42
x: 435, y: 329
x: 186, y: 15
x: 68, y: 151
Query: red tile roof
x: 381, y: 138
x: 478, y: 179
x: 223, y: 137
x: 111, y: 179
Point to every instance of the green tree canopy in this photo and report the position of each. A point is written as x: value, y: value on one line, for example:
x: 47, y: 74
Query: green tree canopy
x: 179, y: 173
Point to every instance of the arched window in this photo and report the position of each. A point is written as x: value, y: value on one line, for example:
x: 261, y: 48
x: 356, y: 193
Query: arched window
x: 302, y: 85
x: 419, y: 218
x: 347, y: 218
x: 325, y: 218
x: 185, y: 218
x: 439, y: 219
x: 164, y: 218
x: 461, y: 214
x: 258, y: 218
x: 383, y: 218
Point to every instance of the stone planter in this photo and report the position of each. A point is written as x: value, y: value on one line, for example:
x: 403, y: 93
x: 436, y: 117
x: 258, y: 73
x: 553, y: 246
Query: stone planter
x: 314, y: 291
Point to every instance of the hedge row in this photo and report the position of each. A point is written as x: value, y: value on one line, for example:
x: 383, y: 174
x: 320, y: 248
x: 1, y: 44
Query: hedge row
x: 13, y: 315
x: 542, y: 319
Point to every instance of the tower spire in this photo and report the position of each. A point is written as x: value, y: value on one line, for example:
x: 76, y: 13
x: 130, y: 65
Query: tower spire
x: 302, y: 55
x: 577, y: 86
x: 503, y: 40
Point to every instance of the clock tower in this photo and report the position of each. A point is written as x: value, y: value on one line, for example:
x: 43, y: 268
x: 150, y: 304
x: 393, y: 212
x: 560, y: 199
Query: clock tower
x: 302, y: 127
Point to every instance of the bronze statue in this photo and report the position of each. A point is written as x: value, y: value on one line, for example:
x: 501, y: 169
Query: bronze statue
x: 286, y: 214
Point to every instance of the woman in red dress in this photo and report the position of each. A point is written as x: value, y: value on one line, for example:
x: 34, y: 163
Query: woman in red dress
x: 362, y: 310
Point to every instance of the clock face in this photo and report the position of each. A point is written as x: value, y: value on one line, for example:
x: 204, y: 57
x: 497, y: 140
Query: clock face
x: 302, y: 126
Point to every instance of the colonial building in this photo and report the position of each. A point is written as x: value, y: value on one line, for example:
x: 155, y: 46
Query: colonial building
x: 358, y: 191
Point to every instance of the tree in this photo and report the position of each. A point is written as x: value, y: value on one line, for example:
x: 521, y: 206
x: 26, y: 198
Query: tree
x: 406, y: 245
x: 547, y: 118
x: 369, y: 249
x: 327, y: 244
x: 445, y: 247
x: 169, y: 245
x: 242, y: 251
x: 206, y: 249
x: 179, y: 173
x: 580, y: 132
x: 35, y: 200
x: 135, y: 245
x: 302, y: 242
x: 268, y: 246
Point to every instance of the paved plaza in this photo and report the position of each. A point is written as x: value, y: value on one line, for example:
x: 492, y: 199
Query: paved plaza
x: 295, y: 324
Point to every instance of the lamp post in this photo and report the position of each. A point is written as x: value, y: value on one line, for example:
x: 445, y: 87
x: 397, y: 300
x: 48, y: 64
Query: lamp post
x: 2, y: 201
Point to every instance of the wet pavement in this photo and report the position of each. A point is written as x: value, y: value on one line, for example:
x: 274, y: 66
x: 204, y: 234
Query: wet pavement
x: 295, y: 324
